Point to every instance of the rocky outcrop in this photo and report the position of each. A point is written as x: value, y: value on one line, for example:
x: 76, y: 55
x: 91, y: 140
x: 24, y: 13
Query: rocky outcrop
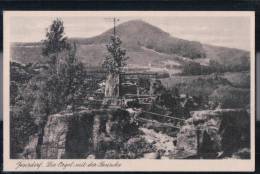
x: 111, y: 130
x: 68, y: 135
x: 214, y: 133
x: 83, y: 134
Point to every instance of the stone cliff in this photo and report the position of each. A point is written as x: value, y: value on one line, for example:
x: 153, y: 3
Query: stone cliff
x: 82, y: 134
x: 68, y: 135
x: 214, y: 133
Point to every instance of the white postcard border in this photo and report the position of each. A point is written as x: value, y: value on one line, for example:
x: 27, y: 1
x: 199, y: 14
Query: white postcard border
x: 136, y: 164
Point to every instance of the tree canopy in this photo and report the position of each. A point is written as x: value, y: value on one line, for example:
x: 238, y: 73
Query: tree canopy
x: 55, y: 41
x: 116, y: 58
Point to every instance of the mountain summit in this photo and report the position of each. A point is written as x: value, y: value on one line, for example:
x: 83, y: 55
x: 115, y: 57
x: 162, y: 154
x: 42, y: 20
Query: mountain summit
x: 133, y: 31
x: 137, y: 33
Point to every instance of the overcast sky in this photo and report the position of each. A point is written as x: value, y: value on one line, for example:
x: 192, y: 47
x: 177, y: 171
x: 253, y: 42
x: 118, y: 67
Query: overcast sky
x: 216, y: 30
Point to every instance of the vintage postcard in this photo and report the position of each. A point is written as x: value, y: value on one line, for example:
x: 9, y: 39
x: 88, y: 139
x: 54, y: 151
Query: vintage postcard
x: 129, y: 91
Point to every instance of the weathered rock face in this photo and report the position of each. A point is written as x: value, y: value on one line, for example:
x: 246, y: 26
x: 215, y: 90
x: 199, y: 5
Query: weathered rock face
x: 82, y: 134
x: 214, y: 133
x: 112, y: 85
x: 68, y: 135
x: 111, y: 130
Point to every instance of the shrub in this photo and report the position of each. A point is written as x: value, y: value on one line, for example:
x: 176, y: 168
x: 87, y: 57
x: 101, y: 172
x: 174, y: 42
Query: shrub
x: 22, y: 127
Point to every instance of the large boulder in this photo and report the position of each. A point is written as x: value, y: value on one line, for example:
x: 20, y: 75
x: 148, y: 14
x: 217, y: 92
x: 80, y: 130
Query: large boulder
x: 214, y: 133
x: 68, y: 135
x: 82, y: 134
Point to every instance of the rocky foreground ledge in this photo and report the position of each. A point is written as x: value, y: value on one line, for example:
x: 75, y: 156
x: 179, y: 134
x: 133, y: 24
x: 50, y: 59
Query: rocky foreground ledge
x: 112, y: 133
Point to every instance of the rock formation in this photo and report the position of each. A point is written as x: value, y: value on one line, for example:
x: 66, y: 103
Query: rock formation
x: 214, y: 133
x: 68, y: 135
x: 82, y: 134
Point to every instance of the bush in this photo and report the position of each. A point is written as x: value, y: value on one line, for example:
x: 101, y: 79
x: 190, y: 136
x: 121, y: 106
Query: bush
x: 136, y: 147
x: 22, y: 127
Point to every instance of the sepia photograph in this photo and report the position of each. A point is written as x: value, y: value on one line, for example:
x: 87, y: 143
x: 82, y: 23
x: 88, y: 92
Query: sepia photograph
x: 139, y: 91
